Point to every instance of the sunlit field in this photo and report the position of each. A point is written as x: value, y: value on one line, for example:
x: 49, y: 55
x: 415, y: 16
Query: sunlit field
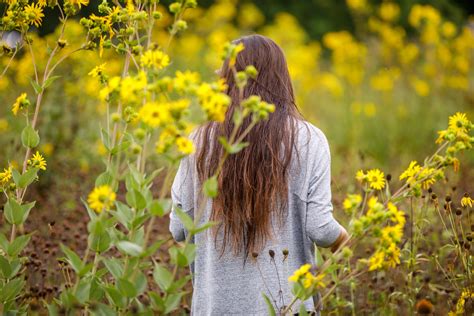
x: 96, y: 117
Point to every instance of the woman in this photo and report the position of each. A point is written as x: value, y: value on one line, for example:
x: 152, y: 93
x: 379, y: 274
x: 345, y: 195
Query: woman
x: 274, y: 197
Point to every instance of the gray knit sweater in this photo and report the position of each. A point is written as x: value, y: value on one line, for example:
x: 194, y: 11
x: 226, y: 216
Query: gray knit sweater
x: 224, y: 285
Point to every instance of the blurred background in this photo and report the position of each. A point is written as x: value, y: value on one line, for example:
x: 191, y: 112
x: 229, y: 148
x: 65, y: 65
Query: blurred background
x: 379, y: 78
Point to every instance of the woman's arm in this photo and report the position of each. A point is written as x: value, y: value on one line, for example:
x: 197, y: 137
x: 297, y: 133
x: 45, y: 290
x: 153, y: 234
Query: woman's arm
x: 343, y: 236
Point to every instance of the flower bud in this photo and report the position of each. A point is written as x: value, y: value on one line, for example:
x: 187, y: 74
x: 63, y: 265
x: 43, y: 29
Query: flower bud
x: 136, y: 149
x: 62, y: 43
x: 251, y: 71
x: 157, y: 15
x: 116, y: 117
x: 175, y: 7
x: 181, y: 25
x: 139, y: 133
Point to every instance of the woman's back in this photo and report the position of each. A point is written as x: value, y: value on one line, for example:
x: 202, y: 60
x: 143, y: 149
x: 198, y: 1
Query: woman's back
x: 228, y: 284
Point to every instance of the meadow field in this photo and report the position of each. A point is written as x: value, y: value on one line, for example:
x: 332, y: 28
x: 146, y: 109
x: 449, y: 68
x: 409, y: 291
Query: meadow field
x: 96, y: 117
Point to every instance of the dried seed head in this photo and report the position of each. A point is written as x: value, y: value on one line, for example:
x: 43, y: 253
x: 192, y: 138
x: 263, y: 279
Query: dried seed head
x: 424, y: 307
x: 271, y: 253
x: 388, y: 177
x: 448, y: 198
x: 458, y: 211
x: 434, y: 196
x: 254, y: 255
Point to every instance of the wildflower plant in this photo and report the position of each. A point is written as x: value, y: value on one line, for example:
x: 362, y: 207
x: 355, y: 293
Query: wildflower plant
x: 15, y: 180
x: 148, y: 114
x: 377, y: 216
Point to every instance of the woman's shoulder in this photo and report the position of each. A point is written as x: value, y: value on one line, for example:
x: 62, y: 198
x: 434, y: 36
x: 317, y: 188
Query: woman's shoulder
x: 311, y: 135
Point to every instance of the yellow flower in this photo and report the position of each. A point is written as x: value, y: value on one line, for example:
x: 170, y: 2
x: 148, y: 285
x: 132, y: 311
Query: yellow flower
x: 421, y: 87
x: 20, y: 103
x: 352, y: 201
x: 300, y: 272
x: 155, y: 114
x: 389, y: 11
x: 467, y: 201
x: 97, y: 71
x: 458, y: 121
x: 361, y: 176
x: 448, y: 29
x: 396, y: 216
x: 185, y: 145
x: 392, y: 256
x: 357, y: 5
x: 376, y: 261
x: 376, y: 179
x: 185, y: 81
x: 37, y: 161
x: 154, y: 59
x: 101, y: 198
x: 410, y: 172
x: 5, y: 176
x: 34, y: 14
x: 235, y: 51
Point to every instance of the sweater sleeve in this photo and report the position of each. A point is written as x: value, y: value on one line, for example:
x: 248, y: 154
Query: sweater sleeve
x: 182, y: 196
x: 321, y: 227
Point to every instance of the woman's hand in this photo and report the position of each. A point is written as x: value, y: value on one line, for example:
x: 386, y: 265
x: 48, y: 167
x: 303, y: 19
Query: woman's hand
x: 343, y: 236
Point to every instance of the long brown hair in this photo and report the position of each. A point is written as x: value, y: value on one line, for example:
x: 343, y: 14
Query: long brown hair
x: 252, y: 185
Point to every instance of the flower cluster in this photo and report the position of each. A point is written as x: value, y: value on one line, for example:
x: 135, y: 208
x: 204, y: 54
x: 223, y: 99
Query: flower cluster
x: 303, y: 276
x: 387, y: 254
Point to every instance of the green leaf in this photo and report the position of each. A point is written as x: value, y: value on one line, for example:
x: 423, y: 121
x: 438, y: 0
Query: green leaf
x: 149, y: 179
x: 49, y: 81
x: 104, y: 310
x: 187, y: 221
x: 5, y: 267
x: 114, y: 266
x: 271, y: 309
x: 4, y: 242
x: 83, y: 290
x: 318, y: 258
x: 162, y: 276
x: 129, y: 248
x: 105, y: 178
x: 11, y: 289
x: 126, y: 288
x: 204, y: 227
x: 302, y: 310
x: 105, y: 139
x: 157, y: 301
x: 18, y: 245
x: 115, y: 297
x: 160, y: 208
x: 16, y: 176
x: 16, y: 213
x: 177, y: 257
x: 150, y: 251
x: 38, y: 89
x: 29, y: 137
x: 27, y: 178
x: 72, y: 258
x: 140, y: 283
x: 121, y: 147
x: 172, y: 301
x: 135, y: 199
x: 210, y: 187
x: 99, y: 242
x: 123, y: 214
